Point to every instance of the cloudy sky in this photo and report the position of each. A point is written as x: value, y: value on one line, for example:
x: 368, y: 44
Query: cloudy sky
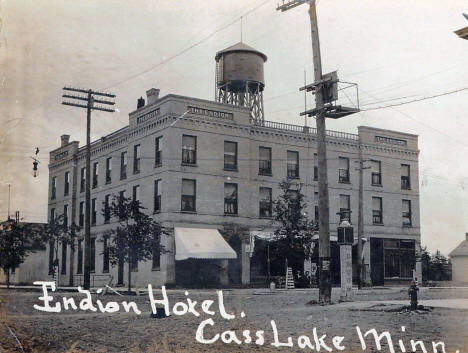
x: 397, y: 51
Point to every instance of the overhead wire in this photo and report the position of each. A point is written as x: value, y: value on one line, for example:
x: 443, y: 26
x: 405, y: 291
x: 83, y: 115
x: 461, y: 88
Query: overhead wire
x: 417, y: 100
x: 187, y: 49
x: 428, y: 126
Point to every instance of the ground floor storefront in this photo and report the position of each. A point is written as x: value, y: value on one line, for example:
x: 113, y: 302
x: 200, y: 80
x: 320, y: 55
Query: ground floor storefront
x: 220, y: 257
x: 386, y: 261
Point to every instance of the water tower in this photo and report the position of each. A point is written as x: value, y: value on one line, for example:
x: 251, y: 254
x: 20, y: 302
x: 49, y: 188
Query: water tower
x: 240, y: 80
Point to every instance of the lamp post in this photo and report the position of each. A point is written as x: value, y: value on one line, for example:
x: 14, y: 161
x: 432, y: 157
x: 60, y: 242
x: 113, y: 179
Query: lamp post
x: 345, y: 241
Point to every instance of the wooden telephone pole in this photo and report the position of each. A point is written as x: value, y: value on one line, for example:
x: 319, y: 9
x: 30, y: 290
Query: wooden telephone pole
x: 90, y: 100
x: 360, y: 214
x: 325, y: 89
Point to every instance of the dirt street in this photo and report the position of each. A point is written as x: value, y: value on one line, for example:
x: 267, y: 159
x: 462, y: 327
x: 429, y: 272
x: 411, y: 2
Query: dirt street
x: 286, y: 312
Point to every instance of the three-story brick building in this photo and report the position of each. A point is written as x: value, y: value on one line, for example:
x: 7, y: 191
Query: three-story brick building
x: 209, y: 174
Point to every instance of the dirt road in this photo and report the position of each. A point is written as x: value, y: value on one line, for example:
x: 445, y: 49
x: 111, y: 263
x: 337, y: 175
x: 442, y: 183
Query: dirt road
x: 270, y: 318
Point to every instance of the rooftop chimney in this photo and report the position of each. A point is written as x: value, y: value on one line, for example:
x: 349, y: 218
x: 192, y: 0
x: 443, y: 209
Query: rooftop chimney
x: 152, y: 95
x: 141, y: 103
x: 65, y: 140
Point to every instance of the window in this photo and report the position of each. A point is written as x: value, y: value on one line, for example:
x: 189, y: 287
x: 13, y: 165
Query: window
x: 230, y: 155
x: 376, y: 172
x: 408, y: 258
x: 345, y: 207
x: 265, y: 202
x: 121, y: 200
x: 377, y: 210
x: 189, y: 149
x: 65, y: 215
x: 316, y: 215
x: 64, y: 258
x: 92, y: 261
x: 106, y: 209
x: 315, y: 166
x: 108, y: 170
x: 230, y: 198
x: 123, y: 165
x: 136, y: 193
x: 406, y: 212
x: 157, y: 196
x: 83, y: 179
x: 52, y: 214
x: 344, y: 170
x: 93, y: 212
x: 105, y: 254
x: 95, y: 174
x: 399, y: 258
x: 81, y: 219
x: 293, y: 164
x: 51, y: 257
x: 156, y: 265
x: 405, y: 177
x: 188, y: 195
x: 158, y: 154
x: 79, y: 268
x: 264, y: 160
x: 54, y: 188
x: 67, y: 184
x: 136, y: 159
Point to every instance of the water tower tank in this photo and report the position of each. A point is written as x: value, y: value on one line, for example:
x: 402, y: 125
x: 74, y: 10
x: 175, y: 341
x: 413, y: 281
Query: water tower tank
x: 240, y: 65
x: 240, y: 79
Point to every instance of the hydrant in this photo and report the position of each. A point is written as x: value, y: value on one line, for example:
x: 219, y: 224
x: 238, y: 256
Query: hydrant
x: 413, y: 293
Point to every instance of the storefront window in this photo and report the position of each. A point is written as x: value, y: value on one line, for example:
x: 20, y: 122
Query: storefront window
x: 399, y: 258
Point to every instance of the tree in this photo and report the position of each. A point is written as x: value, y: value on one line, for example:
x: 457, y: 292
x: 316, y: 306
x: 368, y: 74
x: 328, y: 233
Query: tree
x: 17, y: 240
x: 136, y: 237
x: 294, y: 231
x: 57, y: 231
x: 434, y: 266
x: 439, y: 267
x: 425, y: 263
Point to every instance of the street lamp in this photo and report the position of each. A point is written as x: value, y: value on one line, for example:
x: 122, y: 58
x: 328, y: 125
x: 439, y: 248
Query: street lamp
x: 345, y: 241
x: 35, y: 171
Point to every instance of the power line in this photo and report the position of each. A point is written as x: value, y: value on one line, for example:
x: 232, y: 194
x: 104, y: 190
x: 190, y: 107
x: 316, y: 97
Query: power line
x: 187, y: 49
x: 415, y: 100
x: 428, y: 126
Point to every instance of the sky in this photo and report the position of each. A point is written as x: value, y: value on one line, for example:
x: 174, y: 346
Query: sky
x: 396, y: 51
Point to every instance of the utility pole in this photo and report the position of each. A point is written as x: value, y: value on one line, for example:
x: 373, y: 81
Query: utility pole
x: 325, y: 90
x: 360, y: 214
x: 90, y: 100
x: 324, y: 208
x: 9, y: 198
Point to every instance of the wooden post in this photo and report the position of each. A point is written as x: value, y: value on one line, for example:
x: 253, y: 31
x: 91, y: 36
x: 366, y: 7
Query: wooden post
x: 87, y: 234
x: 324, y: 208
x: 90, y: 100
x: 360, y: 218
